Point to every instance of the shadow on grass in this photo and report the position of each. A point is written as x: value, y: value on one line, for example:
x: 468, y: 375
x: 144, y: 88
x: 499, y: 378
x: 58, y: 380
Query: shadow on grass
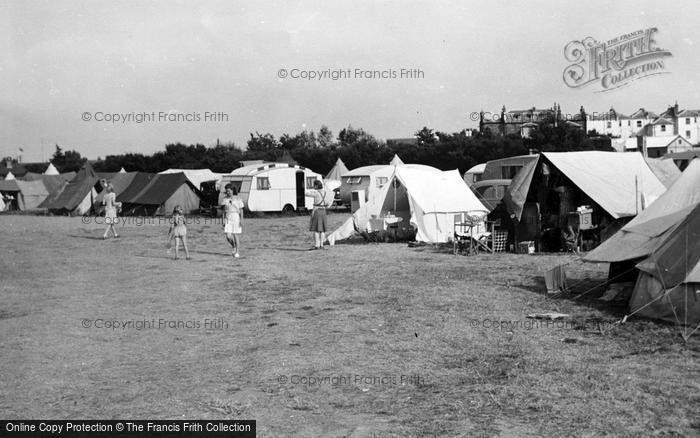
x: 222, y: 254
x: 89, y: 237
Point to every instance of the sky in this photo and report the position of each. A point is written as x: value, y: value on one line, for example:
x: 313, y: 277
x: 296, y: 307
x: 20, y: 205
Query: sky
x: 209, y: 70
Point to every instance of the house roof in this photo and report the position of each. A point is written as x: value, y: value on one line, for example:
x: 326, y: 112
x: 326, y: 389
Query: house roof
x: 662, y: 121
x: 641, y: 113
x: 666, y: 141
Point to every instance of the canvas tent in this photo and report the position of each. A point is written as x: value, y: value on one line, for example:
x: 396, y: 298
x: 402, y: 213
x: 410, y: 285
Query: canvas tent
x: 338, y: 170
x: 369, y: 179
x: 661, y: 246
x: 51, y: 170
x: 9, y: 191
x: 138, y: 182
x: 119, y: 182
x: 425, y: 200
x: 396, y: 161
x: 196, y: 176
x: 9, y: 177
x: 665, y: 170
x: 77, y: 196
x: 162, y: 194
x: 616, y: 186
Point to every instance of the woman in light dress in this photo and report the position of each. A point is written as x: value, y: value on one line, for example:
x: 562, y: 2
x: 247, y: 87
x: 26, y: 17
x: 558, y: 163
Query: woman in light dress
x: 111, y: 206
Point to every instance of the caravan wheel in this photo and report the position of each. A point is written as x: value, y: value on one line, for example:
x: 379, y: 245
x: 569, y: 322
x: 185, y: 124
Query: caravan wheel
x: 288, y: 209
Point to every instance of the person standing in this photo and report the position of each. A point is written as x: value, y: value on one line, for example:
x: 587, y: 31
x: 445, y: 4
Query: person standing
x: 178, y: 231
x: 111, y: 206
x: 322, y: 198
x: 233, y: 218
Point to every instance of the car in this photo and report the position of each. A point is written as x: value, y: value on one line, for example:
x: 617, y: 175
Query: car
x: 491, y: 191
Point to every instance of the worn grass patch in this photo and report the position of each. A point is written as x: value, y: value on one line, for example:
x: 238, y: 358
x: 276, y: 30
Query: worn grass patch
x: 364, y: 339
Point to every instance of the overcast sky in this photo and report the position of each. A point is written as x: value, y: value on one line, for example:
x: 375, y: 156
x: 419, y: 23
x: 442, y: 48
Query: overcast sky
x: 62, y: 59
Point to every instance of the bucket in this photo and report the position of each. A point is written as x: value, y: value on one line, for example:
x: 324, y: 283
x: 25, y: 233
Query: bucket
x: 526, y: 247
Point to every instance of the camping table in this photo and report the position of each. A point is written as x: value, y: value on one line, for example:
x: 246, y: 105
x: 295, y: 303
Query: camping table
x: 390, y: 222
x: 382, y: 224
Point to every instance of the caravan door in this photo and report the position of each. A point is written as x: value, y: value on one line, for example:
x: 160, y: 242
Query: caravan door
x: 301, y: 188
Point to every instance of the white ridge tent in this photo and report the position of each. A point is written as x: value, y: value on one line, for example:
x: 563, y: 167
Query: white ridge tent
x: 337, y: 172
x: 51, y: 170
x: 425, y: 199
x: 396, y: 161
x: 9, y: 176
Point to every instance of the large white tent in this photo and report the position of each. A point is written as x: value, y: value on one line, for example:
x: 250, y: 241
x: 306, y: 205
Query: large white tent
x: 426, y: 200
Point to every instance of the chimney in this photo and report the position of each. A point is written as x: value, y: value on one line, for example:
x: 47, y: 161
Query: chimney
x: 675, y: 118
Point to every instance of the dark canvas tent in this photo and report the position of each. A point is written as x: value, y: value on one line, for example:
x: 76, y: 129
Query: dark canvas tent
x: 9, y: 191
x: 139, y: 182
x: 662, y: 247
x: 162, y: 194
x: 615, y: 185
x: 120, y: 182
x: 77, y: 196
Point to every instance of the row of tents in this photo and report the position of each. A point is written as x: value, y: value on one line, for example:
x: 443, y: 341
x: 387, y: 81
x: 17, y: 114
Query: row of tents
x: 82, y: 192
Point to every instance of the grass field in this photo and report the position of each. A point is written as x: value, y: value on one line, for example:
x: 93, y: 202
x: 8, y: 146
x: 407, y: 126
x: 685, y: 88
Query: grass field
x: 362, y: 340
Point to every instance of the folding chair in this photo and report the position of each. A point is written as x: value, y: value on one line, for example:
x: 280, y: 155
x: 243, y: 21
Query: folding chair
x: 375, y: 227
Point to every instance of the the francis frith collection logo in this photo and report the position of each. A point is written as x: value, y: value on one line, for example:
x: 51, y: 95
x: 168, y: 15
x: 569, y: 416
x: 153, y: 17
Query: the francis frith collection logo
x: 616, y: 62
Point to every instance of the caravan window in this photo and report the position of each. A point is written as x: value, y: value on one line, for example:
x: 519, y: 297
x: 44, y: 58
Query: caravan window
x: 508, y: 172
x: 382, y: 180
x: 354, y: 180
x: 263, y: 183
x: 310, y: 182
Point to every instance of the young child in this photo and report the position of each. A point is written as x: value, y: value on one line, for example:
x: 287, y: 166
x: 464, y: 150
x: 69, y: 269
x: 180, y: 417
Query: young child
x: 178, y: 231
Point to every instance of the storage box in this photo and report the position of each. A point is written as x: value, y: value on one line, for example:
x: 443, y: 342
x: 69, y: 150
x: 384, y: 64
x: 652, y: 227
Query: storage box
x: 526, y: 247
x: 582, y: 219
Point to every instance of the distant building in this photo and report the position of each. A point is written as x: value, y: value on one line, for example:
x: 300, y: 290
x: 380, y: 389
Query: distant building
x: 19, y: 169
x: 400, y: 141
x: 524, y: 122
x: 671, y: 131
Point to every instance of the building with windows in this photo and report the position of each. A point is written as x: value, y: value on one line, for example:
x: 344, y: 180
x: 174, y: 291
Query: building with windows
x: 524, y: 122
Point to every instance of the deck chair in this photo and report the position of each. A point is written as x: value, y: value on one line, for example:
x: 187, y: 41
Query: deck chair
x: 469, y: 234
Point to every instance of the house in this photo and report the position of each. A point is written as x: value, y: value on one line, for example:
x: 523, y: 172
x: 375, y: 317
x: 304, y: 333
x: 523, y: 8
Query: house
x: 518, y: 122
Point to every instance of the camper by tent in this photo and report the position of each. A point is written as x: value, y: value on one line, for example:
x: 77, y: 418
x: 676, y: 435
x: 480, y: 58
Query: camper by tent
x: 424, y: 200
x: 474, y: 174
x: 272, y: 186
x: 368, y: 179
x: 506, y: 168
x: 544, y: 195
x: 162, y: 194
x: 661, y: 248
x: 76, y: 197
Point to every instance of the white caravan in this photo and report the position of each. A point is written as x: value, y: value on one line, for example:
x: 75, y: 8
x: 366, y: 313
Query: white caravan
x: 272, y: 186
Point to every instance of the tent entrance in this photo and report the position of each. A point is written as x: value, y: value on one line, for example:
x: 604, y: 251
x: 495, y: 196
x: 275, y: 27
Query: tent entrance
x: 300, y: 187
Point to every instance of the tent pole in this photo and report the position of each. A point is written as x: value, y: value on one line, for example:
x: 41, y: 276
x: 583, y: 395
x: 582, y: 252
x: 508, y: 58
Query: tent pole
x: 636, y: 195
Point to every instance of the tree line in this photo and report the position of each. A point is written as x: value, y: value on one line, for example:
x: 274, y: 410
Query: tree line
x: 319, y: 150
